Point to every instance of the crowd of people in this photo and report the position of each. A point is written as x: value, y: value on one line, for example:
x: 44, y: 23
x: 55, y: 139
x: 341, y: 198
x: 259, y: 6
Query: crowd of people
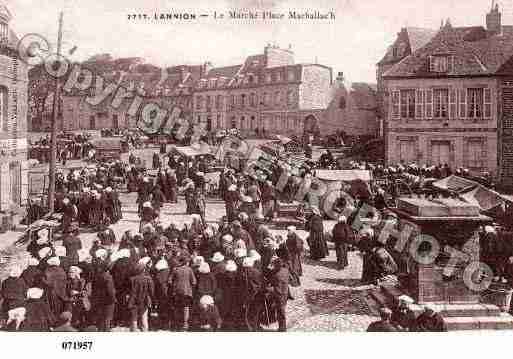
x: 234, y: 275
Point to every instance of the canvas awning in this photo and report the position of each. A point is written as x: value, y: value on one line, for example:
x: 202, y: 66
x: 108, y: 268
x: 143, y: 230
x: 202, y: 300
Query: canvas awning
x: 471, y: 191
x: 189, y: 151
x: 455, y: 183
x: 344, y: 175
x: 484, y: 198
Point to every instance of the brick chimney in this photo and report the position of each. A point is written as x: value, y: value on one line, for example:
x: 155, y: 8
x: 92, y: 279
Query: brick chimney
x: 340, y: 77
x: 493, y: 20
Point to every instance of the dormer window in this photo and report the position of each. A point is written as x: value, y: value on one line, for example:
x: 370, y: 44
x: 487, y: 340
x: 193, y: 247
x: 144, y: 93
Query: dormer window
x: 441, y: 63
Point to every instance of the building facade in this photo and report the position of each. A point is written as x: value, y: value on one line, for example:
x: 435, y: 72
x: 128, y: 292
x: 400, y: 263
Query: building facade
x: 450, y: 101
x: 166, y: 87
x: 267, y: 93
x: 13, y: 119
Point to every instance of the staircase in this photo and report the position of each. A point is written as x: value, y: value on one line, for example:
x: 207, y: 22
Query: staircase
x: 456, y: 316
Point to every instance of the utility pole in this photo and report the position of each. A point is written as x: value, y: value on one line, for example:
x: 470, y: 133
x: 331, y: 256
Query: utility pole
x: 55, y: 114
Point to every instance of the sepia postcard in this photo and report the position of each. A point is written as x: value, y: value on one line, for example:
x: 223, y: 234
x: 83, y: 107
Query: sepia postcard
x: 183, y: 167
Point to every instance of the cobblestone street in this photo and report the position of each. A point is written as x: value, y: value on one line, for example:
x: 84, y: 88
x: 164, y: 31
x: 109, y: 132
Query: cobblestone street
x: 328, y: 299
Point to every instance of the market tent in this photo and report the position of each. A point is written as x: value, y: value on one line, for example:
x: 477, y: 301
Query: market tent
x: 344, y: 175
x: 190, y: 151
x: 485, y: 198
x: 455, y: 184
x: 471, y: 191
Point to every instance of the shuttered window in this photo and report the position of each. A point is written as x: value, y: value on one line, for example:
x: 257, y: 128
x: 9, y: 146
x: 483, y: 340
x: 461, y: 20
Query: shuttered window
x: 463, y: 103
x: 419, y: 104
x: 407, y: 103
x: 429, y: 103
x: 441, y: 103
x: 3, y: 109
x: 453, y: 103
x: 395, y: 104
x: 487, y: 103
x: 475, y: 103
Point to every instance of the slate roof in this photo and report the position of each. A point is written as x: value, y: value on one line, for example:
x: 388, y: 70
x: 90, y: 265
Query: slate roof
x: 474, y: 51
x: 419, y: 37
x: 363, y: 95
x: 227, y: 71
x: 416, y: 37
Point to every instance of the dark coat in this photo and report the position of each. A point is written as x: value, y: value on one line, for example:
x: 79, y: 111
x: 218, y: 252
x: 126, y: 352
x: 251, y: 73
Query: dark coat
x: 103, y: 290
x: 32, y: 276
x: 38, y: 316
x: 295, y: 248
x: 142, y: 291
x: 207, y: 285
x: 182, y: 281
x: 72, y: 244
x: 13, y: 293
x: 280, y: 284
x: 55, y: 280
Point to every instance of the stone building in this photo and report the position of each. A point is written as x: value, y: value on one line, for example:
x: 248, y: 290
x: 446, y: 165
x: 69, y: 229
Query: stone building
x: 166, y: 87
x: 352, y: 109
x: 270, y: 93
x: 451, y: 101
x: 13, y: 118
x: 267, y: 92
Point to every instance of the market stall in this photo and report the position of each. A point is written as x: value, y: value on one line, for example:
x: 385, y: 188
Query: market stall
x: 346, y: 184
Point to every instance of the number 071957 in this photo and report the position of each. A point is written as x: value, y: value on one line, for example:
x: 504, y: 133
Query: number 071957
x: 77, y: 345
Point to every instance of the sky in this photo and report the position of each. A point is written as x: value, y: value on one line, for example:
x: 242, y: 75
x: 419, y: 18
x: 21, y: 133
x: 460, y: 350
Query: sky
x: 352, y: 43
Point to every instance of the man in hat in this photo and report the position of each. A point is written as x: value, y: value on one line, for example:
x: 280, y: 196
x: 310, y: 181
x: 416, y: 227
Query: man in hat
x: 181, y: 284
x: 103, y: 296
x: 142, y: 295
x: 341, y: 235
x: 384, y: 324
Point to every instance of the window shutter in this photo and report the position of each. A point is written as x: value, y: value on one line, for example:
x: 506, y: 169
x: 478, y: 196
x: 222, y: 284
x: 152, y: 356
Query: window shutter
x: 395, y: 104
x: 429, y: 103
x: 487, y: 103
x: 431, y: 64
x: 450, y: 64
x: 419, y: 104
x: 463, y: 103
x: 453, y: 104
